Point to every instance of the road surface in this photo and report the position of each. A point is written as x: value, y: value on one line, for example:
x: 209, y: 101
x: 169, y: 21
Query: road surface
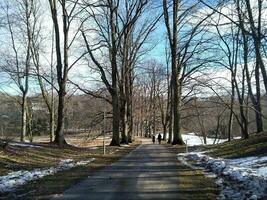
x: 148, y: 172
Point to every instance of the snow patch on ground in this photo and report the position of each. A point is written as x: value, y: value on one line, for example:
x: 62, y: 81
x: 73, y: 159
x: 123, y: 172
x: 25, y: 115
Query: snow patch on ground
x: 94, y: 148
x: 14, y: 179
x: 125, y: 145
x: 192, y: 139
x: 24, y: 145
x: 242, y: 178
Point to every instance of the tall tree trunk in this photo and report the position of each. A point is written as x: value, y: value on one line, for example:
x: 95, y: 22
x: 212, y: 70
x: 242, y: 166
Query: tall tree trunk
x: 241, y: 99
x: 122, y: 87
x: 255, y: 101
x: 116, y: 120
x: 52, y: 111
x: 137, y: 129
x: 258, y: 110
x: 23, y: 117
x: 154, y: 104
x: 60, y: 139
x: 170, y: 116
x: 256, y: 35
x: 163, y: 116
x: 141, y: 117
x: 29, y: 123
x: 129, y: 104
x: 167, y: 114
x: 26, y: 83
x: 52, y: 126
x: 176, y: 96
x: 201, y: 123
x: 243, y: 119
x: 62, y: 69
x: 130, y: 120
x: 177, y: 137
x: 141, y: 129
x: 123, y: 119
x: 170, y: 127
x: 164, y: 132
x: 260, y: 64
x: 230, y: 124
x: 114, y: 71
x: 52, y: 102
x: 231, y: 117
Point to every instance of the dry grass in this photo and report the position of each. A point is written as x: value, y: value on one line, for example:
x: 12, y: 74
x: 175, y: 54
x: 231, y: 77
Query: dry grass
x: 256, y: 145
x: 193, y: 184
x: 16, y: 158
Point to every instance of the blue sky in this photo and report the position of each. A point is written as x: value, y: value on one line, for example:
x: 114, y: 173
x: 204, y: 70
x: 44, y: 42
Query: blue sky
x: 158, y: 37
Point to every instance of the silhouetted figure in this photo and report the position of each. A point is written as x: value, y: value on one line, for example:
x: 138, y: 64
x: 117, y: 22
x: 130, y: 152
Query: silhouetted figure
x: 159, y: 138
x: 153, y: 139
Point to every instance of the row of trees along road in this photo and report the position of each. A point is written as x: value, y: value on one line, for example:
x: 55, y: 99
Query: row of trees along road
x: 115, y: 41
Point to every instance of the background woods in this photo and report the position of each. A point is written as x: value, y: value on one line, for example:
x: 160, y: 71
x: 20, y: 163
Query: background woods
x: 147, y: 67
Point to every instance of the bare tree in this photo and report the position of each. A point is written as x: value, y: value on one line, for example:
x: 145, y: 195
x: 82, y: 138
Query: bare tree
x: 45, y: 80
x: 256, y: 101
x: 236, y: 41
x: 108, y: 10
x: 172, y: 36
x: 21, y: 27
x: 184, y: 52
x: 137, y: 31
x: 256, y: 33
x: 120, y: 38
x: 69, y: 10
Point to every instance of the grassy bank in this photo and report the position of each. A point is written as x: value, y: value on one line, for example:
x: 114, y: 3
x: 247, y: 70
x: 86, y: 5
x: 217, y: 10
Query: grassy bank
x: 15, y: 158
x: 256, y: 145
x: 193, y: 184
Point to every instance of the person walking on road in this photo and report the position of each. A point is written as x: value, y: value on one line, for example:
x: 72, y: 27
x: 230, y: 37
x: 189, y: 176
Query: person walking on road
x: 159, y: 138
x: 153, y: 139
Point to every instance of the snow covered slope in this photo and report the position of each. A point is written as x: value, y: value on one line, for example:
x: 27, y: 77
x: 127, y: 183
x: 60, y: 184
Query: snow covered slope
x: 240, y: 166
x: 14, y: 179
x: 191, y: 139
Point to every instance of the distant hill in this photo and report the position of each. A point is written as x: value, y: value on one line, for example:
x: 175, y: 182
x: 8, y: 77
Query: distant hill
x: 83, y: 113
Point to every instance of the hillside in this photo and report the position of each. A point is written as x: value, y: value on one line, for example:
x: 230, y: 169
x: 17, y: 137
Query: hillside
x: 239, y: 167
x: 30, y: 170
x: 256, y: 145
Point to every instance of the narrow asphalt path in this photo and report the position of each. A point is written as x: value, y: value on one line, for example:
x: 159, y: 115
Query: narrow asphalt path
x: 148, y: 172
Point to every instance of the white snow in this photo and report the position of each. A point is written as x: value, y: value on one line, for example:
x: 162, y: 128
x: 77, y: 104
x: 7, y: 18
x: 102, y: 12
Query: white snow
x: 94, y: 148
x: 14, y: 179
x: 262, y: 171
x: 24, y: 145
x: 248, y: 175
x: 191, y: 139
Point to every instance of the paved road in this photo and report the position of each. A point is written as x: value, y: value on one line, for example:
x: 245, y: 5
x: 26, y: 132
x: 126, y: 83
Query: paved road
x: 148, y: 172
